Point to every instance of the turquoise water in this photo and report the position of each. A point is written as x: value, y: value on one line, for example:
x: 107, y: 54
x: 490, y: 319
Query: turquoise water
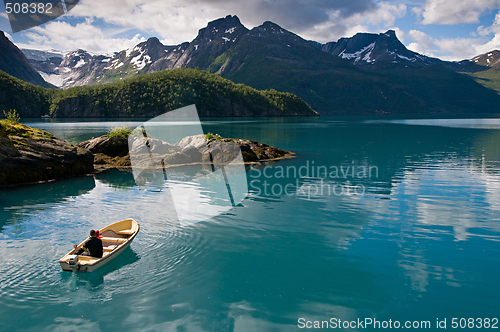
x: 417, y: 239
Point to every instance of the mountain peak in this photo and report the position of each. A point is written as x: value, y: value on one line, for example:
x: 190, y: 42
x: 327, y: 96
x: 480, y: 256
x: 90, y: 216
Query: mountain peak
x: 272, y: 30
x: 153, y: 40
x: 390, y: 34
x: 226, y: 28
x: 487, y: 59
x: 268, y: 25
x: 224, y: 22
x: 153, y: 44
x: 383, y: 49
x: 479, y: 63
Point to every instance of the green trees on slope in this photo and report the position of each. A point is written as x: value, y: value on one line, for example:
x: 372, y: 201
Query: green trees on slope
x: 153, y: 94
x: 149, y: 95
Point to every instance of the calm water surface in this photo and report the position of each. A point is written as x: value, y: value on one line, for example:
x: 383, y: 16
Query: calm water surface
x: 416, y: 240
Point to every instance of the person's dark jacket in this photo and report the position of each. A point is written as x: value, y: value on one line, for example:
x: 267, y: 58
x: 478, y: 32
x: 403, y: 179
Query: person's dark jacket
x: 94, y: 246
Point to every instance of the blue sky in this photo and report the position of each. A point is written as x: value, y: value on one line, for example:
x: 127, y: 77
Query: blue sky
x: 448, y: 29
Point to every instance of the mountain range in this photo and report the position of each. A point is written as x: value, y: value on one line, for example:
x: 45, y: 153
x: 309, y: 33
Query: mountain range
x: 364, y: 74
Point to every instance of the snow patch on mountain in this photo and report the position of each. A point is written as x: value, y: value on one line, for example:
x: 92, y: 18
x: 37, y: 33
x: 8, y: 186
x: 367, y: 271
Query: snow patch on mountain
x: 129, y: 51
x: 113, y: 63
x: 141, y: 60
x: 54, y: 79
x: 367, y: 57
x: 357, y: 55
x: 80, y: 63
x: 406, y: 58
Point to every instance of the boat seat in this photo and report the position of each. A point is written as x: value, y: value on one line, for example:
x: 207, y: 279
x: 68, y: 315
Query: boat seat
x: 125, y: 232
x: 111, y: 233
x: 113, y: 239
x: 109, y: 248
x: 86, y: 259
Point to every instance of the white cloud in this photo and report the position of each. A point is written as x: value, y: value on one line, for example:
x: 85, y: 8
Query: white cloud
x: 62, y: 36
x: 424, y: 44
x: 422, y: 39
x: 379, y: 19
x: 416, y: 47
x: 174, y: 22
x: 454, y: 11
x: 417, y: 10
x: 494, y: 28
x: 459, y: 48
x: 164, y: 19
x: 400, y: 34
x: 386, y: 13
x: 493, y: 44
x: 452, y: 49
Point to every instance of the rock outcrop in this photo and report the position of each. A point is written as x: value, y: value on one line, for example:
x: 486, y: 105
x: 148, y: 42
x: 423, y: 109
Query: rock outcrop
x: 110, y: 152
x: 30, y: 155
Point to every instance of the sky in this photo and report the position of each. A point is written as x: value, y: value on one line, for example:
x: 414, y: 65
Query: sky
x: 447, y: 29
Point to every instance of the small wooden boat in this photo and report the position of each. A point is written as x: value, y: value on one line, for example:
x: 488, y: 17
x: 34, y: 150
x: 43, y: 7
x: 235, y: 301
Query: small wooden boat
x: 115, y: 238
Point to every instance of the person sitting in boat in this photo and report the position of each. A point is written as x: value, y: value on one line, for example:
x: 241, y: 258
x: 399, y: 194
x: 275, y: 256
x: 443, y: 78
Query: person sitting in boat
x: 93, y: 246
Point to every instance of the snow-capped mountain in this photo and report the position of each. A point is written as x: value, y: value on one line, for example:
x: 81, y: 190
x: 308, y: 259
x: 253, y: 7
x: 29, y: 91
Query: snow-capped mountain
x: 377, y: 50
x: 207, y: 49
x: 479, y: 63
x: 73, y: 68
x: 226, y: 47
x: 490, y: 59
x: 269, y: 47
x: 81, y: 68
x: 42, y: 55
x: 211, y: 41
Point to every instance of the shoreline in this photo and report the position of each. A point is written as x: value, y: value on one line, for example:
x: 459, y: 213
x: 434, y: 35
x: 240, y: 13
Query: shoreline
x: 99, y: 168
x: 31, y: 156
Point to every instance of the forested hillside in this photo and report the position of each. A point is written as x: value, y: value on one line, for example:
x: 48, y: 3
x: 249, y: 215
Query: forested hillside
x: 149, y: 95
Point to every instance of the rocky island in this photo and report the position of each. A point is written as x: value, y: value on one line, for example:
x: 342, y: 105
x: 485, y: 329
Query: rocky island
x: 30, y: 155
x: 113, y: 152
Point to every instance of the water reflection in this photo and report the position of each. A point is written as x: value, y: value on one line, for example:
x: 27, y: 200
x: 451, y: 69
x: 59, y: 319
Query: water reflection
x: 486, y: 123
x: 13, y: 200
x: 121, y: 179
x: 93, y: 282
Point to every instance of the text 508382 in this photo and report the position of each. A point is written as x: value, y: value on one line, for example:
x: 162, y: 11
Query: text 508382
x: 28, y: 8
